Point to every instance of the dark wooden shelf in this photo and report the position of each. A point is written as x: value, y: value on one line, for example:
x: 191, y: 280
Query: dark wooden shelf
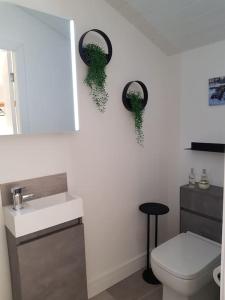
x: 207, y: 147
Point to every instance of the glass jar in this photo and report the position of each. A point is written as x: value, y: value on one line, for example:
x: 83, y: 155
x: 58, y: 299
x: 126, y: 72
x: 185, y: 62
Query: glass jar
x: 204, y: 182
x: 192, y: 178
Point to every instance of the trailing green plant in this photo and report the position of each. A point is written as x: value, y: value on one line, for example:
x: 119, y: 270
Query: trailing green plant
x: 96, y: 76
x: 138, y: 111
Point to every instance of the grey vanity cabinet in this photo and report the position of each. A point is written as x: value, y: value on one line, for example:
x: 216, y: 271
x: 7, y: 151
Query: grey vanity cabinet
x: 49, y: 265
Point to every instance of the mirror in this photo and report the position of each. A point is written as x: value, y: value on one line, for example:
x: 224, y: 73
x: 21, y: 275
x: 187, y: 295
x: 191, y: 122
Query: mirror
x: 38, y: 89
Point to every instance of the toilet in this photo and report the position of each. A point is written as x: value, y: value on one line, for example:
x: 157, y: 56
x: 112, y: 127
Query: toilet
x: 184, y: 265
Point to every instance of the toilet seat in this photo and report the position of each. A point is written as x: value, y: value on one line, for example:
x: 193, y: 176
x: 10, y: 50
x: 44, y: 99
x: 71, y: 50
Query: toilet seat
x: 187, y: 256
x: 185, y: 265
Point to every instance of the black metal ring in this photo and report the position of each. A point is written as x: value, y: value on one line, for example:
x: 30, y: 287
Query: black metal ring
x: 126, y: 100
x: 82, y: 49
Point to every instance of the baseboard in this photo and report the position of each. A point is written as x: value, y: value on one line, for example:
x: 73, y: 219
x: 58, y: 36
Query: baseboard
x: 108, y: 279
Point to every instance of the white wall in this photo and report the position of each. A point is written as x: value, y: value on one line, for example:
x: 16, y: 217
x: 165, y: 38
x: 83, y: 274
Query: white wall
x: 171, y: 154
x: 187, y: 87
x: 104, y: 163
x: 199, y: 121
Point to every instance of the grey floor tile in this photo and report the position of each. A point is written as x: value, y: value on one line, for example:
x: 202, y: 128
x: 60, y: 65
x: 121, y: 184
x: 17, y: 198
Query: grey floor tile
x: 156, y: 295
x: 134, y: 288
x: 103, y: 296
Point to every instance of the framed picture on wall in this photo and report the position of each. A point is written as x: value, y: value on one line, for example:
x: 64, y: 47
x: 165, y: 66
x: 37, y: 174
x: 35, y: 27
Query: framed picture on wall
x: 217, y: 91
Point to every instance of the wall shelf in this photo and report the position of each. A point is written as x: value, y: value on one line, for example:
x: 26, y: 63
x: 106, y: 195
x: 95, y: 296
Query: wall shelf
x: 207, y: 147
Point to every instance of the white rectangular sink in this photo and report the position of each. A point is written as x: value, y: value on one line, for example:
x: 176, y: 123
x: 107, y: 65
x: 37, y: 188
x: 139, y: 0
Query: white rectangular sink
x: 43, y: 213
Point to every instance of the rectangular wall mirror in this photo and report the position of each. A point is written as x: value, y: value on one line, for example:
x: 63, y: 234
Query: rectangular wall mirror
x: 38, y: 89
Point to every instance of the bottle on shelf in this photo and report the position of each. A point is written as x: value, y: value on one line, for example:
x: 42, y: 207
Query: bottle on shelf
x: 204, y: 182
x: 192, y: 178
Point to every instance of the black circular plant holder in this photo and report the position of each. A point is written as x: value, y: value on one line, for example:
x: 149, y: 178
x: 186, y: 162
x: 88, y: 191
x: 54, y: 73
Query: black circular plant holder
x: 82, y: 48
x: 126, y: 100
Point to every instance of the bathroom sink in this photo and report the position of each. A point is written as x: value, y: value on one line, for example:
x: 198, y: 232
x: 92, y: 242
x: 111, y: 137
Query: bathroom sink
x: 43, y: 213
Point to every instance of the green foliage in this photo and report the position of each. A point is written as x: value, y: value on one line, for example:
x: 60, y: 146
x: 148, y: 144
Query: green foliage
x: 135, y: 100
x: 96, y: 76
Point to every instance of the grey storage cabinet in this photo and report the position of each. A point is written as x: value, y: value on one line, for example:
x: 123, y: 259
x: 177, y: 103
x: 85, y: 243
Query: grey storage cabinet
x: 201, y: 211
x: 49, y: 265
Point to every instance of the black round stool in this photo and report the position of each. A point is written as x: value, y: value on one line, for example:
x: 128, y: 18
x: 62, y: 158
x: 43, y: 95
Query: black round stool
x: 155, y: 209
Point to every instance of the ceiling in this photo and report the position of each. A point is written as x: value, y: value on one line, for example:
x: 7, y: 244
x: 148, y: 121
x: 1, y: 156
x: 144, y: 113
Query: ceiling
x: 59, y: 25
x: 176, y: 25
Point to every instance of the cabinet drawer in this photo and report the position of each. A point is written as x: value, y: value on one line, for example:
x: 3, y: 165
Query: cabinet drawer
x: 198, y: 224
x: 53, y: 267
x: 203, y: 202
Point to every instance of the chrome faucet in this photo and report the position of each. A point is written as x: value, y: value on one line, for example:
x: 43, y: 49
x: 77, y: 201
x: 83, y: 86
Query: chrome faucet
x: 18, y: 197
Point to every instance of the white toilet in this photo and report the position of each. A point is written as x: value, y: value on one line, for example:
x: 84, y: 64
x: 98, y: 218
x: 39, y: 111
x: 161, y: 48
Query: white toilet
x: 185, y: 265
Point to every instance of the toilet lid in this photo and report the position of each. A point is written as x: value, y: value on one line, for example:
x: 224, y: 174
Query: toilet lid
x: 187, y: 255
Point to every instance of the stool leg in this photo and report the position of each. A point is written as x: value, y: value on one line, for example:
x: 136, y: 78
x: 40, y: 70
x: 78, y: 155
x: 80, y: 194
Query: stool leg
x: 148, y: 243
x: 148, y: 275
x: 156, y: 231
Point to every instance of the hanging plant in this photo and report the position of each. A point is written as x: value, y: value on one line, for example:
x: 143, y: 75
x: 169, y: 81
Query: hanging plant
x: 135, y: 102
x: 96, y: 76
x: 138, y: 111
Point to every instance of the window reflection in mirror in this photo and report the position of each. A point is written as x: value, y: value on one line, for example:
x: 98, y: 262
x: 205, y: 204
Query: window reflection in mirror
x: 38, y: 88
x: 9, y: 103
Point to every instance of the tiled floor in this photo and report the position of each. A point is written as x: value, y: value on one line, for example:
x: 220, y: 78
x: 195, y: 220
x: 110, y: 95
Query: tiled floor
x: 132, y: 288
